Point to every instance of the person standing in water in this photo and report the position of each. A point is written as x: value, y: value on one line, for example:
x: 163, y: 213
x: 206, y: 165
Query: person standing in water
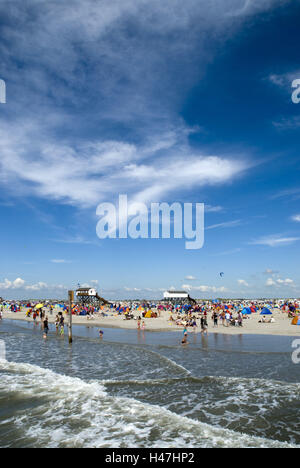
x: 184, y: 339
x: 46, y: 327
x: 57, y: 322
x: 62, y: 325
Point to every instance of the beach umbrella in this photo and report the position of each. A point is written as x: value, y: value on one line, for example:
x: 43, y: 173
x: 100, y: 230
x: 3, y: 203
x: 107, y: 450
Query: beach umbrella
x: 39, y: 306
x: 246, y: 311
x: 266, y: 311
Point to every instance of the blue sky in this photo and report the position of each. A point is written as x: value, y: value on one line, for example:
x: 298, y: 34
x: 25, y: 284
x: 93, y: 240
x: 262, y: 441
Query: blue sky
x: 162, y: 101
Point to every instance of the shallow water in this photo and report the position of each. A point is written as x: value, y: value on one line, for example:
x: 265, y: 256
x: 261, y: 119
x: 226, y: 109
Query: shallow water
x: 143, y: 389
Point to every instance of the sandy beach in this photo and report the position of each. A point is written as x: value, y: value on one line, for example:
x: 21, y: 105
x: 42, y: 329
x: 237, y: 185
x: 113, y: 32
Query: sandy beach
x: 282, y: 325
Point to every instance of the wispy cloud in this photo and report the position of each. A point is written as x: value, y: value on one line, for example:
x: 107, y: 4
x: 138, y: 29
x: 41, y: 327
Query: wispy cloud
x: 131, y: 50
x: 290, y: 123
x: 229, y: 252
x: 275, y: 240
x: 205, y: 288
x: 226, y: 224
x: 291, y: 193
x: 284, y: 80
x: 74, y: 240
x: 271, y: 272
x: 59, y: 261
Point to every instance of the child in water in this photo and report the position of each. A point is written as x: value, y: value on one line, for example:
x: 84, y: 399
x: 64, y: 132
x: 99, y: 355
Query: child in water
x: 100, y: 333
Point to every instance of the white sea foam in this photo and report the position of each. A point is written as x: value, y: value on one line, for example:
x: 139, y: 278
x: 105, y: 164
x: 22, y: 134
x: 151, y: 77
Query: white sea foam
x: 70, y: 412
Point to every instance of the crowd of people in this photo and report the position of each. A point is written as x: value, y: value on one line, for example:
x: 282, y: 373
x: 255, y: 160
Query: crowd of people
x: 191, y: 316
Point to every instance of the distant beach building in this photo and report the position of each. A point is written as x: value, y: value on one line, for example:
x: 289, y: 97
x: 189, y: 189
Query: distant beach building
x: 82, y: 292
x: 171, y: 295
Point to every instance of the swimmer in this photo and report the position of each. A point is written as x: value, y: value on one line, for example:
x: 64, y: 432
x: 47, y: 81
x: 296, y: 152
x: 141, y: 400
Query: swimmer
x: 101, y: 333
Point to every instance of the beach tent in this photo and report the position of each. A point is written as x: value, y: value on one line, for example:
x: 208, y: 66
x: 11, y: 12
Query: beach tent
x: 266, y: 311
x: 296, y: 320
x: 247, y: 311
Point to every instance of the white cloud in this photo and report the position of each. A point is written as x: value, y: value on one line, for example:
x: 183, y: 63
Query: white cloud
x: 270, y: 282
x: 16, y: 284
x: 280, y: 282
x: 242, y: 282
x: 296, y: 218
x: 20, y: 284
x: 285, y: 282
x: 190, y: 278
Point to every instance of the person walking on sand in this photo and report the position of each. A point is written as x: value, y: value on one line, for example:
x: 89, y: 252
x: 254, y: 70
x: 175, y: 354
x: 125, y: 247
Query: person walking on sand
x: 227, y: 318
x: 240, y: 319
x: 215, y: 318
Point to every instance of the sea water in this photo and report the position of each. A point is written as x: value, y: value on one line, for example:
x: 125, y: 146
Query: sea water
x: 144, y: 389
